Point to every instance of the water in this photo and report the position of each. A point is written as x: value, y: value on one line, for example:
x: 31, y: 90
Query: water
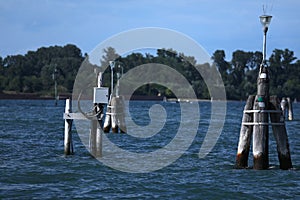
x: 32, y: 164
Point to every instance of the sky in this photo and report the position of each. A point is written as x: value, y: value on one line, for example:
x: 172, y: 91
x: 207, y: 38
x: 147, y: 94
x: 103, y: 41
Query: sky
x: 228, y: 25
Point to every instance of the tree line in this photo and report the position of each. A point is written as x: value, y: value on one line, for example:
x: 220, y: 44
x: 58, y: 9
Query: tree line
x: 240, y: 74
x: 34, y: 71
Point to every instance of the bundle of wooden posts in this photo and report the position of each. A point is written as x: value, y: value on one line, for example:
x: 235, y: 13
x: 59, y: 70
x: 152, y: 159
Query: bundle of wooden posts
x: 255, y: 124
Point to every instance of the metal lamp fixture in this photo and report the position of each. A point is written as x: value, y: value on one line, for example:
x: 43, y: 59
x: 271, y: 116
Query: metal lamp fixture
x: 265, y: 21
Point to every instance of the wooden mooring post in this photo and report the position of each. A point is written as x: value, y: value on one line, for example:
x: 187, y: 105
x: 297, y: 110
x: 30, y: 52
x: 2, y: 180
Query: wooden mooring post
x: 258, y: 118
x: 287, y: 108
x: 96, y: 131
x: 117, y: 115
x: 68, y: 144
x: 100, y: 99
x: 107, y: 121
x: 259, y: 123
x: 280, y: 134
x: 245, y: 136
x: 290, y: 108
x: 261, y: 119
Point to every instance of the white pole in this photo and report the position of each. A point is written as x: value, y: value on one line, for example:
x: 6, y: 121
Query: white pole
x: 99, y: 142
x: 99, y: 82
x: 265, y: 44
x: 112, y: 65
x: 68, y: 129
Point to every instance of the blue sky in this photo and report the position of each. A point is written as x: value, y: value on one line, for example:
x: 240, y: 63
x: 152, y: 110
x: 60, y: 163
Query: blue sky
x: 214, y: 24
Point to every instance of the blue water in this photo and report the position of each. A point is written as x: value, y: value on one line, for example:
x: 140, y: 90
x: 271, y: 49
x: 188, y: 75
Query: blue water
x: 32, y: 164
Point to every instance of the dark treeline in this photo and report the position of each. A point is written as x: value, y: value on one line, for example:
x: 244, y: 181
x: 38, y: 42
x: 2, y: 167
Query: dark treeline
x: 240, y: 74
x: 178, y: 61
x: 33, y: 72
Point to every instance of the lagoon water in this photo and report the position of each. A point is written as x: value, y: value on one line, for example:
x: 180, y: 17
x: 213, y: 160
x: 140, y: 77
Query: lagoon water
x: 32, y: 164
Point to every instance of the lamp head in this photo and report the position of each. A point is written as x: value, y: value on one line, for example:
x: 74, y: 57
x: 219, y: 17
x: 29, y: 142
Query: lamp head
x: 265, y: 21
x: 112, y: 65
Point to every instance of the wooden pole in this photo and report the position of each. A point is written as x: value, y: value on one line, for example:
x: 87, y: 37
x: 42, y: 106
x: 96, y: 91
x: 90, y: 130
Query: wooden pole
x: 280, y: 135
x: 283, y: 105
x: 93, y: 133
x: 121, y: 116
x: 290, y: 108
x: 68, y: 148
x: 245, y: 136
x: 99, y: 131
x: 261, y: 129
x: 98, y: 111
x: 99, y: 142
x: 107, y: 121
x: 114, y: 124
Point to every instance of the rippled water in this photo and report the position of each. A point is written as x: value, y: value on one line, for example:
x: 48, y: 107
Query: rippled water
x: 32, y: 164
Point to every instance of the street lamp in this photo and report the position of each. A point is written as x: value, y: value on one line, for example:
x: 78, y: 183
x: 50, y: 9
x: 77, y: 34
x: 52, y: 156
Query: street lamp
x: 265, y: 21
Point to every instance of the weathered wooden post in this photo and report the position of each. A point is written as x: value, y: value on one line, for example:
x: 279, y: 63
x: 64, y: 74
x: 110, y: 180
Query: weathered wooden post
x: 245, y: 135
x: 280, y: 134
x: 100, y: 98
x: 261, y: 109
x: 283, y: 105
x: 121, y: 116
x: 93, y: 133
x: 107, y: 121
x: 113, y: 115
x: 98, y: 139
x: 117, y: 115
x: 290, y: 108
x: 261, y: 120
x: 68, y: 144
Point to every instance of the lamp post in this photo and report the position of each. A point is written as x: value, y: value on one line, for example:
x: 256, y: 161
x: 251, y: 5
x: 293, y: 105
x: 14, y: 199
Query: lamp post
x: 265, y: 21
x: 112, y: 66
x: 261, y: 129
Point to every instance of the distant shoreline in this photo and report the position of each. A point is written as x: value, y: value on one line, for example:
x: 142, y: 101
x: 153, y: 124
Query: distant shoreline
x: 36, y: 96
x: 29, y: 96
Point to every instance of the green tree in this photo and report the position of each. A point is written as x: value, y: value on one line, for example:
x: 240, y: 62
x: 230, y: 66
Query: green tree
x: 222, y: 65
x: 282, y: 68
x: 110, y: 54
